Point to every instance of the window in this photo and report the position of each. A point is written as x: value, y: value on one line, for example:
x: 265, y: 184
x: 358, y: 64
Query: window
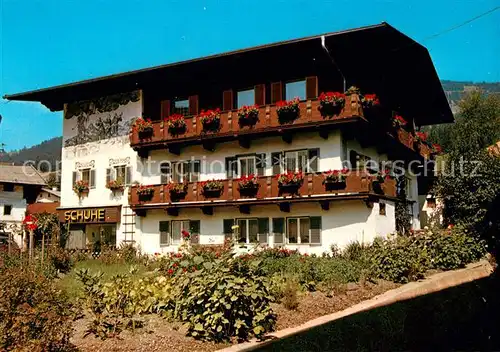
x: 7, y: 209
x: 381, y: 208
x: 304, y: 230
x: 177, y: 227
x: 305, y: 160
x: 181, y: 107
x: 8, y: 187
x: 180, y: 171
x: 87, y: 175
x: 246, y: 166
x: 121, y: 173
x: 171, y: 231
x: 358, y: 161
x: 296, y: 161
x: 248, y: 230
x: 295, y: 89
x: 246, y: 97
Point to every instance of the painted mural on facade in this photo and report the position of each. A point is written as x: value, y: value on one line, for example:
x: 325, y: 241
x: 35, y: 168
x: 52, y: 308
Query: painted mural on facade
x: 100, y: 119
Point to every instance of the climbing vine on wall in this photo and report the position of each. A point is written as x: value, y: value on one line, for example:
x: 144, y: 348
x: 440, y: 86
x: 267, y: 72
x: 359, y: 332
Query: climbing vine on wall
x: 403, y: 215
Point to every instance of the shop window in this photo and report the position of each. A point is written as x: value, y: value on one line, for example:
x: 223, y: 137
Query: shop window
x: 7, y: 209
x: 246, y: 97
x: 295, y: 89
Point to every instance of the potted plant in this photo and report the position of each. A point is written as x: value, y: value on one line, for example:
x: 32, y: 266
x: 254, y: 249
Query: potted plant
x: 335, y: 179
x: 248, y: 115
x: 288, y: 111
x: 81, y: 187
x: 436, y: 149
x: 420, y: 137
x: 145, y: 192
x: 210, y: 120
x: 331, y: 103
x: 248, y: 185
x: 144, y: 127
x: 212, y: 188
x: 290, y: 182
x: 176, y: 124
x: 115, y: 185
x: 177, y: 190
x: 369, y: 101
x: 352, y: 90
x: 399, y: 122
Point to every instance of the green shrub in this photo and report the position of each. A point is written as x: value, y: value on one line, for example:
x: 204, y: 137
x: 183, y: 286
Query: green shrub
x: 60, y: 259
x: 34, y: 315
x: 289, y: 295
x: 355, y: 250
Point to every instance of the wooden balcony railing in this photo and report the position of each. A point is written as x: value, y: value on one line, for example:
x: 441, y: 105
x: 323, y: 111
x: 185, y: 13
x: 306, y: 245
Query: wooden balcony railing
x: 268, y: 191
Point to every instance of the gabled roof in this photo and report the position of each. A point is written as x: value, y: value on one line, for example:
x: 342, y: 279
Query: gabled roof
x: 388, y: 61
x: 51, y: 191
x: 24, y: 175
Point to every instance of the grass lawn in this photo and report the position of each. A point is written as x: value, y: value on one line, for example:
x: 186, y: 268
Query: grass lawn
x: 70, y: 284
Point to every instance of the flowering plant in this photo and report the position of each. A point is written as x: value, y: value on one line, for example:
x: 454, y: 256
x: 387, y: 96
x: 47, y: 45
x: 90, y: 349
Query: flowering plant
x: 176, y: 188
x: 143, y: 190
x: 399, y: 121
x: 248, y: 115
x: 186, y: 236
x: 212, y: 186
x: 369, y: 100
x: 436, y: 148
x: 381, y: 176
x: 352, y: 90
x: 176, y: 124
x: 287, y: 111
x: 334, y: 176
x: 249, y: 181
x: 142, y: 125
x: 81, y: 187
x: 115, y: 185
x: 420, y: 136
x: 290, y: 178
x: 331, y: 103
x: 210, y: 120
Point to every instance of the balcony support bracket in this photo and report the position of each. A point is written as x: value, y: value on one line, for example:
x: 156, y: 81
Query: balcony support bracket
x: 325, y: 205
x: 244, y: 209
x: 207, y: 210
x: 244, y: 142
x: 173, y: 211
x: 143, y: 153
x: 140, y: 212
x: 209, y: 145
x: 287, y: 137
x: 323, y: 133
x: 175, y: 149
x: 284, y: 207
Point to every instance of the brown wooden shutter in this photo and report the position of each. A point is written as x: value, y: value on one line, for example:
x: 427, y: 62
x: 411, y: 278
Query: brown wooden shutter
x: 165, y: 109
x: 276, y: 92
x: 315, y: 222
x: 194, y: 229
x: 260, y: 94
x: 263, y: 228
x: 227, y: 100
x: 311, y: 87
x: 193, y: 105
x: 279, y: 231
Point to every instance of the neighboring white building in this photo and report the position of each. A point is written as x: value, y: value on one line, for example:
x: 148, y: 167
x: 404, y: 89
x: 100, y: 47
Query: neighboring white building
x: 49, y: 195
x: 19, y: 186
x: 99, y: 146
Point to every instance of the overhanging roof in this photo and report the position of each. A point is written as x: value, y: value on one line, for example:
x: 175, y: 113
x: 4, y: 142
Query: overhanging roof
x: 389, y: 62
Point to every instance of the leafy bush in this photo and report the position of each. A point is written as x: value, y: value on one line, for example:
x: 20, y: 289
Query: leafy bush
x: 355, y: 250
x: 34, y: 316
x: 289, y: 295
x: 60, y: 259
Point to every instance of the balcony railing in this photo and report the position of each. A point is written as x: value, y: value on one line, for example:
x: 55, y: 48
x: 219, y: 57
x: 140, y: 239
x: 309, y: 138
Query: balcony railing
x: 309, y: 117
x: 268, y: 192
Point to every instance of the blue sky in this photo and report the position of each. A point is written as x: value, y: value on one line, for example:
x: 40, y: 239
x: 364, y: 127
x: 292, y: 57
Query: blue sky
x: 49, y: 42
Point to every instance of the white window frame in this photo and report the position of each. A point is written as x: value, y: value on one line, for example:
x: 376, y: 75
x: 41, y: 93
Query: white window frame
x: 295, y: 154
x: 299, y: 240
x: 247, y: 234
x: 183, y: 226
x: 247, y: 158
x: 81, y: 172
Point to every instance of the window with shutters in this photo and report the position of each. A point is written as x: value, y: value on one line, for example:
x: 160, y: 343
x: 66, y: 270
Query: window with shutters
x: 181, y: 107
x: 303, y: 230
x: 305, y: 160
x: 246, y: 166
x: 245, y: 97
x: 252, y: 230
x: 177, y: 227
x: 295, y: 89
x: 85, y: 175
x: 180, y: 171
x: 359, y: 161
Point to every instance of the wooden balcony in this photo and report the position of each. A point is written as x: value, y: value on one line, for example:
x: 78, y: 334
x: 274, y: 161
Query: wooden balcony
x: 310, y: 119
x: 268, y: 192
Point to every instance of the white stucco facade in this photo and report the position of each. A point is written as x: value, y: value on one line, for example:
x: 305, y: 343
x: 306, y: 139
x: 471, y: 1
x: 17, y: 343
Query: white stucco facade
x: 346, y: 221
x: 13, y: 210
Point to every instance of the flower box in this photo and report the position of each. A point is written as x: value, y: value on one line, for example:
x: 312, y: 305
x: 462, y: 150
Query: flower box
x: 335, y: 179
x: 177, y: 191
x: 212, y: 188
x: 369, y: 101
x: 176, y: 124
x: 81, y: 187
x: 288, y: 111
x: 210, y: 120
x: 331, y: 104
x: 248, y: 116
x: 248, y: 186
x: 378, y: 179
x: 115, y: 186
x: 145, y: 192
x: 352, y: 90
x: 144, y: 127
x: 399, y: 122
x: 290, y: 182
